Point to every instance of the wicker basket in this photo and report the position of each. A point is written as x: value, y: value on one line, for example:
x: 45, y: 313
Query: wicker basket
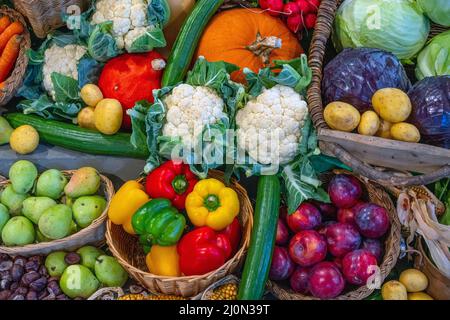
x: 129, y: 253
x: 94, y: 234
x: 351, y: 148
x: 14, y: 81
x: 46, y: 15
x: 378, y: 196
x: 439, y: 284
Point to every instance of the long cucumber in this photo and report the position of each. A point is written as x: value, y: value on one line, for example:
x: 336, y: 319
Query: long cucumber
x: 262, y: 242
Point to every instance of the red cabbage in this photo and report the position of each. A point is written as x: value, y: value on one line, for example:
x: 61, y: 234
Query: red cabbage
x: 430, y: 100
x: 354, y: 75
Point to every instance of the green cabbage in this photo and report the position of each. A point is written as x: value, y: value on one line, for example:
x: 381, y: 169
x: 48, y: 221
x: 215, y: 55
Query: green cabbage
x: 396, y: 26
x: 437, y: 10
x: 434, y: 59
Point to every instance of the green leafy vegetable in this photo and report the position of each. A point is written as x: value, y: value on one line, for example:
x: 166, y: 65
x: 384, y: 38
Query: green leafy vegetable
x: 66, y: 88
x: 152, y: 38
x: 158, y: 12
x: 101, y: 43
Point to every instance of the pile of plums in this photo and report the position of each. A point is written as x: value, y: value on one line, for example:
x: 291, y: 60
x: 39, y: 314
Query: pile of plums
x: 27, y: 279
x: 321, y: 248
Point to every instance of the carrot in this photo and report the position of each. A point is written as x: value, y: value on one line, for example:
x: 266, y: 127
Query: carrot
x: 4, y: 23
x: 13, y: 29
x: 9, y: 56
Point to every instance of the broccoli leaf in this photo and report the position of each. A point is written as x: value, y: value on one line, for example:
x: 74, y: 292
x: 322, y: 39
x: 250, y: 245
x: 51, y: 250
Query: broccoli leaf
x: 101, y: 44
x: 152, y: 38
x: 66, y: 88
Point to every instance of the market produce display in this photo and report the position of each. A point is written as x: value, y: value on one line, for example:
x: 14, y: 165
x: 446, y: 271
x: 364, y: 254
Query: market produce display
x: 209, y: 94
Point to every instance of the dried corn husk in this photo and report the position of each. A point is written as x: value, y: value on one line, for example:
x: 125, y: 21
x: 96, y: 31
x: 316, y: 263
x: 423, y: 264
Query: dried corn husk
x: 419, y: 216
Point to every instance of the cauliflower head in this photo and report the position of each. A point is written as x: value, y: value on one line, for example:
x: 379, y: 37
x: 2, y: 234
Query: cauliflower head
x: 269, y: 127
x: 129, y: 19
x: 63, y: 60
x: 189, y: 109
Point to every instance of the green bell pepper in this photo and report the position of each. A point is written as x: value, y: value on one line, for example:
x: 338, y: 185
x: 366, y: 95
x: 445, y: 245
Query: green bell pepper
x: 158, y: 222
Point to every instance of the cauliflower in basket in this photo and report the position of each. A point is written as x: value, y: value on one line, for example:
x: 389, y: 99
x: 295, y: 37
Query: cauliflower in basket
x: 129, y: 17
x: 63, y: 60
x: 189, y: 109
x: 269, y: 127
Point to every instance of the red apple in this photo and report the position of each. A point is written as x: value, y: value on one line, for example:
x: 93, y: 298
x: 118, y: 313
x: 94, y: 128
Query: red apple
x: 307, y: 248
x: 372, y: 220
x: 300, y: 280
x: 374, y: 246
x: 344, y: 190
x: 326, y: 281
x: 282, y: 265
x: 357, y: 266
x: 342, y: 238
x: 306, y: 217
x: 282, y: 233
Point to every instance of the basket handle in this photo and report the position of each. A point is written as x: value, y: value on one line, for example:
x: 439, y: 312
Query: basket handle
x: 322, y: 32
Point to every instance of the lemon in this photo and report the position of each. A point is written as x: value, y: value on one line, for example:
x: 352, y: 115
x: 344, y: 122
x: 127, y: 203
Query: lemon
x: 414, y: 280
x: 419, y: 296
x: 24, y: 139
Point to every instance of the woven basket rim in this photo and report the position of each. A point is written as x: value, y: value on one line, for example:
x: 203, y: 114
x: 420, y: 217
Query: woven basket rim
x: 109, y: 193
x: 245, y: 241
x: 321, y: 36
x: 392, y: 243
x: 15, y: 79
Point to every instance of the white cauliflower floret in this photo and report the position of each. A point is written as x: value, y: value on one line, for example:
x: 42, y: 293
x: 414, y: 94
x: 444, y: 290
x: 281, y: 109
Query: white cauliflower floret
x: 63, y: 60
x: 129, y: 19
x: 189, y: 109
x: 269, y: 127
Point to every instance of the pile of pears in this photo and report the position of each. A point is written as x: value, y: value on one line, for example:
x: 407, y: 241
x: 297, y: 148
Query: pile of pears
x: 82, y: 272
x: 41, y: 208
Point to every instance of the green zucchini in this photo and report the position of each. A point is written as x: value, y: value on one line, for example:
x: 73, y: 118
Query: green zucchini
x: 186, y: 43
x: 73, y: 137
x: 262, y: 241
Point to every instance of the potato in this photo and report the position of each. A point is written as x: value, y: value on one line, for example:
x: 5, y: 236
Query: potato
x: 91, y: 94
x: 394, y: 290
x: 369, y: 124
x: 405, y: 132
x: 86, y: 118
x: 392, y: 104
x: 419, y: 296
x: 24, y: 139
x: 413, y: 280
x: 385, y: 129
x: 341, y: 116
x: 108, y: 116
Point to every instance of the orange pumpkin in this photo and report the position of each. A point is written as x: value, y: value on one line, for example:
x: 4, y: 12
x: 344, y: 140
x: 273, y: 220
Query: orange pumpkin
x: 247, y: 38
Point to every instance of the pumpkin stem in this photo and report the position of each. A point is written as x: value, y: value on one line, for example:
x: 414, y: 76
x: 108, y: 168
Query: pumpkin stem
x: 263, y: 47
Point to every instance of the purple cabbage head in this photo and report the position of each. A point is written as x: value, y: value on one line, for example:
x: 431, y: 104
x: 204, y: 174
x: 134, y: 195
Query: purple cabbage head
x: 354, y: 75
x: 430, y: 99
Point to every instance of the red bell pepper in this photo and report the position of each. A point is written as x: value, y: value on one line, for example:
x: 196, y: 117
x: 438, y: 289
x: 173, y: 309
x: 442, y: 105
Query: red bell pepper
x: 132, y: 77
x: 233, y: 232
x: 172, y: 180
x: 203, y: 250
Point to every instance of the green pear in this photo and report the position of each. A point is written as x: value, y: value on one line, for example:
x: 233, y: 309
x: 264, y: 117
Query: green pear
x: 34, y: 207
x: 89, y: 255
x: 77, y: 281
x: 109, y: 272
x: 12, y: 200
x: 40, y: 237
x: 22, y: 175
x: 5, y: 131
x: 4, y: 216
x: 18, y: 231
x: 84, y: 182
x: 88, y: 208
x: 51, y: 184
x: 56, y: 264
x: 55, y: 222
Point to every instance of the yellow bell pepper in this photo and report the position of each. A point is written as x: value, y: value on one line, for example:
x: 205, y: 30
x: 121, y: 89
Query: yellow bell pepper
x: 212, y: 204
x: 130, y: 197
x: 163, y: 261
